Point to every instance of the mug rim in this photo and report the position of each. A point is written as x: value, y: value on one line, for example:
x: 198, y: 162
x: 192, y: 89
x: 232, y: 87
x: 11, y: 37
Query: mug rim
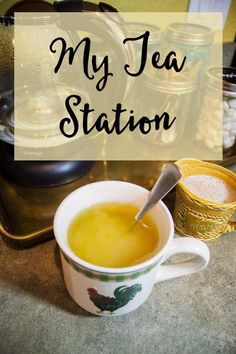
x: 201, y: 200
x: 109, y: 270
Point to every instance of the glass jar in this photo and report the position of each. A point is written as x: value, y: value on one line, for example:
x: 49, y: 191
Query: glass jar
x: 190, y: 40
x: 209, y: 120
x: 137, y: 29
x: 229, y: 107
x: 165, y: 94
x: 209, y: 123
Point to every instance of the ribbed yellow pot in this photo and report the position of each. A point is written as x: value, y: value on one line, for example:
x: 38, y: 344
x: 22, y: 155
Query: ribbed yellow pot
x: 201, y: 218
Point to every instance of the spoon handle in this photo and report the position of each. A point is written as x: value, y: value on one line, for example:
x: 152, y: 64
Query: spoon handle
x: 167, y: 180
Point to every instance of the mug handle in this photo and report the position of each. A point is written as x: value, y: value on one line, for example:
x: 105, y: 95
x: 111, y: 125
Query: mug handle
x: 184, y: 245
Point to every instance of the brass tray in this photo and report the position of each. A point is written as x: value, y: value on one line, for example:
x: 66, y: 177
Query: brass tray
x: 26, y: 213
x: 228, y: 160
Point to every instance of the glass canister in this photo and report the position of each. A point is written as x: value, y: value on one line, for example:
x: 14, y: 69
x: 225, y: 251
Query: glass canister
x: 229, y: 108
x: 210, y: 121
x: 137, y: 29
x: 190, y: 40
x: 167, y: 94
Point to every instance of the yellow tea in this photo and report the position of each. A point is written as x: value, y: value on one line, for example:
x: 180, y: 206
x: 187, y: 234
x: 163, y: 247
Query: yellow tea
x: 103, y: 235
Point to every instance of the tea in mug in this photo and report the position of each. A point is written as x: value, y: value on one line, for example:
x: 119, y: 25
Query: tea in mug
x: 105, y: 235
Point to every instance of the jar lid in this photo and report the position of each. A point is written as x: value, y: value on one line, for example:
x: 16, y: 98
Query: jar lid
x: 138, y: 28
x: 214, y: 75
x: 188, y: 33
x: 229, y: 79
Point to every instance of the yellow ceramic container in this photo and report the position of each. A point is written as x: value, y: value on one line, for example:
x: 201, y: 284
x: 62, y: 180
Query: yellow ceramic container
x: 201, y: 218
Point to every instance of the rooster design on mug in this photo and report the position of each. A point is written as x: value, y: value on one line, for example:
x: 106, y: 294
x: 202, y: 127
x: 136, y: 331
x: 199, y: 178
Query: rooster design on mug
x: 122, y: 295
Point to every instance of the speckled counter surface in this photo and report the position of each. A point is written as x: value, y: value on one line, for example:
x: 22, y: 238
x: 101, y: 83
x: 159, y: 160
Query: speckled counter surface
x: 194, y: 314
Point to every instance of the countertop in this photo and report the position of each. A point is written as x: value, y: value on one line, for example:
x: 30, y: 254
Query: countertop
x: 193, y: 314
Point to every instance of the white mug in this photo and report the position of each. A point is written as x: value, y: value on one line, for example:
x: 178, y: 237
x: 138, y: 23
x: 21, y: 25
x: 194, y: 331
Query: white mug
x: 117, y: 291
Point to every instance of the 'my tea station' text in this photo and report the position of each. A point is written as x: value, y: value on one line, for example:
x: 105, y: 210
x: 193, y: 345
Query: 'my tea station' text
x: 121, y: 119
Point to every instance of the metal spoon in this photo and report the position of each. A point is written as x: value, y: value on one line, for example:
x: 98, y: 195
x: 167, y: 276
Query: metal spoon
x: 169, y: 177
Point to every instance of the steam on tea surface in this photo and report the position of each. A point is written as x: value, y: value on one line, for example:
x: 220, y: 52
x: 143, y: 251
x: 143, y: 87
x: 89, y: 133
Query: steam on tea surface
x: 102, y: 235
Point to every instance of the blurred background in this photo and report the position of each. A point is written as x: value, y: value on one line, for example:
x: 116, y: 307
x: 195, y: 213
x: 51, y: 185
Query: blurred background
x: 164, y: 6
x: 26, y: 203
